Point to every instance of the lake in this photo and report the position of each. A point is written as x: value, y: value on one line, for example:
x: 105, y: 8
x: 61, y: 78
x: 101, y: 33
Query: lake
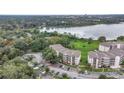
x: 111, y: 31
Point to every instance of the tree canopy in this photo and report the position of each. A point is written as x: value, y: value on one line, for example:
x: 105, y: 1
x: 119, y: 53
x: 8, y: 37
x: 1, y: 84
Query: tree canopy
x: 102, y: 39
x: 16, y: 69
x: 50, y: 55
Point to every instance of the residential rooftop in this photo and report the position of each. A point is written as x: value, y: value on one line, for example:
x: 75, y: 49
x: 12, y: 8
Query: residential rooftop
x: 65, y: 51
x: 111, y: 54
x: 111, y: 43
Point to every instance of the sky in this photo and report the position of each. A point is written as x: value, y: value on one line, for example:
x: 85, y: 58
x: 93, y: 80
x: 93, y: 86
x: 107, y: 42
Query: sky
x: 48, y: 7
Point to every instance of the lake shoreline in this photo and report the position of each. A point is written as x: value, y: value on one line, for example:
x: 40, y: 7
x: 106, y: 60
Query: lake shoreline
x: 48, y: 27
x: 110, y: 31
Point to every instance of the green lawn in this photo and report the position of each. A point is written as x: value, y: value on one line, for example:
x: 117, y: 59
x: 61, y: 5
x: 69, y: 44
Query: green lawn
x: 84, y: 47
x: 88, y: 68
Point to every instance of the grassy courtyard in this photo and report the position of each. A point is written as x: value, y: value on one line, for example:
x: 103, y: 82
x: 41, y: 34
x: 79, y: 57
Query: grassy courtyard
x: 84, y: 47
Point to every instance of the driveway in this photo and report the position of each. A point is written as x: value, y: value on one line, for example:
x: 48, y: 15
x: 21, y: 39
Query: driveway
x: 37, y: 57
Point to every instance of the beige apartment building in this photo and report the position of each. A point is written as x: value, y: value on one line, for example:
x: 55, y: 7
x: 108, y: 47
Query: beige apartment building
x: 110, y: 54
x: 69, y: 56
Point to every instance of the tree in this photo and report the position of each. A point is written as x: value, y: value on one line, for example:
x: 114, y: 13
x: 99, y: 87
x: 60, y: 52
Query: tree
x: 38, y: 45
x: 102, y: 39
x: 14, y: 53
x: 120, y: 38
x: 122, y: 62
x: 65, y: 41
x: 47, y: 70
x: 4, y: 58
x: 5, y: 50
x: 90, y: 40
x: 50, y: 55
x: 16, y: 69
x: 22, y: 45
x: 55, y: 33
x: 65, y: 76
x: 36, y: 31
x: 105, y: 77
x: 102, y: 77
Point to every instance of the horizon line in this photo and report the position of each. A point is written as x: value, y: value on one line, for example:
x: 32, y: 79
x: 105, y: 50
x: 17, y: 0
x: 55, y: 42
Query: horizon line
x: 52, y: 14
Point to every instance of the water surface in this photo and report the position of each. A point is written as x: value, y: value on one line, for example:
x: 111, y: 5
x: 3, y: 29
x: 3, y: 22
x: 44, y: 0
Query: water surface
x: 111, y: 31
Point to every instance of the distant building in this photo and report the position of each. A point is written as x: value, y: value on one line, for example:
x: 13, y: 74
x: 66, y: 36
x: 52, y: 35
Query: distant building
x: 110, y: 54
x: 71, y: 57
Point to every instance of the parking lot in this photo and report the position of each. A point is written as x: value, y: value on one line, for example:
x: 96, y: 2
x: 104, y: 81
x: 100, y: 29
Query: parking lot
x: 70, y: 71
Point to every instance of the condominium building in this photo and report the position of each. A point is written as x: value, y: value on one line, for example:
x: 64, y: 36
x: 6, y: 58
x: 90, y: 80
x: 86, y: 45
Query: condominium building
x: 106, y: 46
x: 110, y: 54
x: 69, y: 56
